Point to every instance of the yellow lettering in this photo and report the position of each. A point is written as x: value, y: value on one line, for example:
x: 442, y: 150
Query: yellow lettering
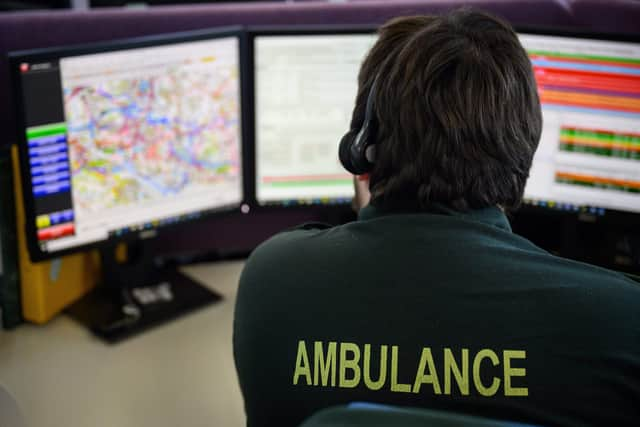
x: 401, y: 388
x: 323, y: 367
x: 349, y: 364
x: 461, y: 375
x: 513, y: 372
x: 426, y: 359
x: 377, y: 385
x: 493, y: 388
x: 302, y: 364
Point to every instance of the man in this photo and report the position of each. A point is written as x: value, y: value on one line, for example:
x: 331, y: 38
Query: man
x: 429, y: 300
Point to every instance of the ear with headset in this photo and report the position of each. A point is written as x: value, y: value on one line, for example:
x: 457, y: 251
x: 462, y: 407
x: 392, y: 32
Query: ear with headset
x: 357, y: 147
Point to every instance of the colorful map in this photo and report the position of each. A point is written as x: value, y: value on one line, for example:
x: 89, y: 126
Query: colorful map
x: 141, y: 138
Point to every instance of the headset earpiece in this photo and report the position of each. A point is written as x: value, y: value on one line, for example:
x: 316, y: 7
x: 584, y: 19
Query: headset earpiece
x: 344, y: 151
x: 357, y: 147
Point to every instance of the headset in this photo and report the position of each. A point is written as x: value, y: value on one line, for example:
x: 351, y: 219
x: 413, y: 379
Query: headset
x: 357, y: 149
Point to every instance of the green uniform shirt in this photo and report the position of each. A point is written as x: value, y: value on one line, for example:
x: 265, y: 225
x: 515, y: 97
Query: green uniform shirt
x: 439, y: 310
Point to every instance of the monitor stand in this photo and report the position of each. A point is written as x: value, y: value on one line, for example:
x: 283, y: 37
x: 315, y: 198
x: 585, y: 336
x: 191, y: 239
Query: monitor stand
x: 135, y: 295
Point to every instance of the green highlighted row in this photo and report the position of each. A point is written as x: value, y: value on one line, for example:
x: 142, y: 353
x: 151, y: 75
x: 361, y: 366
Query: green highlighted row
x: 587, y: 57
x: 310, y: 183
x: 601, y: 136
x: 607, y: 186
x: 46, y: 130
x: 620, y: 153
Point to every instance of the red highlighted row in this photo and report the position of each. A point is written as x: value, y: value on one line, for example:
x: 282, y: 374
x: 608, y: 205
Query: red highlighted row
x: 56, y: 231
x: 616, y: 103
x: 587, y: 80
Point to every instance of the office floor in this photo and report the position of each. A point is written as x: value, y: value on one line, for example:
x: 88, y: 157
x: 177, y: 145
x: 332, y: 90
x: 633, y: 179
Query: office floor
x: 180, y: 374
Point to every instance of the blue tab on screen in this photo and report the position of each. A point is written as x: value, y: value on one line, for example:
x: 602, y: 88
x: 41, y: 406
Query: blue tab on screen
x: 48, y: 149
x: 67, y: 215
x: 53, y: 168
x: 61, y: 217
x: 45, y: 190
x: 50, y: 178
x: 46, y: 140
x: 45, y: 160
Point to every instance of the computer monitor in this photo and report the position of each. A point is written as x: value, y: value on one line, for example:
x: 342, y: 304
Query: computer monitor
x: 305, y: 83
x: 589, y: 155
x: 588, y: 159
x: 118, y: 140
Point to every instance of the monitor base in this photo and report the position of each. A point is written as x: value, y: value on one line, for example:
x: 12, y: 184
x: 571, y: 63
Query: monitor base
x: 115, y: 314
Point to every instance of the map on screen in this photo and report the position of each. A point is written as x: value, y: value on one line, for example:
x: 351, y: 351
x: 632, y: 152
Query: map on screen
x: 151, y: 123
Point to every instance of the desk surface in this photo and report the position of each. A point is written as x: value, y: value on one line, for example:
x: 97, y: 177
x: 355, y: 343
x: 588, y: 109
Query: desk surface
x: 179, y: 374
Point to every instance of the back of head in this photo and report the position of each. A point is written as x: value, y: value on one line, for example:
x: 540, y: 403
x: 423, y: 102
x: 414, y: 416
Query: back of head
x: 456, y: 109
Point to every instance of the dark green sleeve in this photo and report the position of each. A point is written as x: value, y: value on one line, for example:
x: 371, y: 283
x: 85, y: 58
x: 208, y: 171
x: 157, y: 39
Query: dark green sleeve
x: 261, y: 318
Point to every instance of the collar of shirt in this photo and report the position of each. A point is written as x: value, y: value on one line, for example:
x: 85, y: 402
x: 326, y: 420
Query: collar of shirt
x: 492, y: 215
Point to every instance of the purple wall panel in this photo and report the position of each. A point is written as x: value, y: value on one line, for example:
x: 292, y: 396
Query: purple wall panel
x: 611, y: 16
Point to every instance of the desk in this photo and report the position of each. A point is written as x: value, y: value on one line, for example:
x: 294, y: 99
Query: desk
x: 178, y: 374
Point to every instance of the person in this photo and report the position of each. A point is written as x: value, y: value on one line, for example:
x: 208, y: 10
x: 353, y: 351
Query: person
x: 428, y: 299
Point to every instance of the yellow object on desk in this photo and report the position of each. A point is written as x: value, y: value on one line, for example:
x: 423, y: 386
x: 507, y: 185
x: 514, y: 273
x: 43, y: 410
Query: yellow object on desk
x: 48, y: 287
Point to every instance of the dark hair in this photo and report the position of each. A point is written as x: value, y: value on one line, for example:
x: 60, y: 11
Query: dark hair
x: 457, y: 111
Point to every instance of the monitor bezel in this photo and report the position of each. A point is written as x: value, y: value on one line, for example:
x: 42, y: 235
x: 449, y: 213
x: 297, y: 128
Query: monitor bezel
x: 276, y: 31
x: 615, y: 217
x: 15, y: 58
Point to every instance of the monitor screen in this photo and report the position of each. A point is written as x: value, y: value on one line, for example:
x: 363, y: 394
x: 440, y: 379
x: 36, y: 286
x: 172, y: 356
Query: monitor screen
x: 589, y: 153
x: 129, y: 138
x: 305, y: 88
